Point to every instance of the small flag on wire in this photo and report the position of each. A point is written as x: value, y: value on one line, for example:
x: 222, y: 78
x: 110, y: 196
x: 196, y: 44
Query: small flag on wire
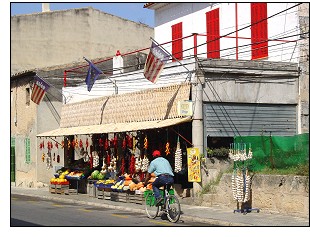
x: 92, y: 74
x: 38, y: 90
x: 155, y: 63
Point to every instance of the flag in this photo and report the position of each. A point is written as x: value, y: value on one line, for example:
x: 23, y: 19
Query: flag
x: 155, y: 63
x: 38, y: 90
x: 92, y: 75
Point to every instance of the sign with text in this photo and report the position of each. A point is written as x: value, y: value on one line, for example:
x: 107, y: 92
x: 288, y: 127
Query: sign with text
x: 193, y: 161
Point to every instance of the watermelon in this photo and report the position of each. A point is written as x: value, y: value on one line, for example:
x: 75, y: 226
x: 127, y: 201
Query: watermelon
x: 100, y: 176
x: 94, y: 174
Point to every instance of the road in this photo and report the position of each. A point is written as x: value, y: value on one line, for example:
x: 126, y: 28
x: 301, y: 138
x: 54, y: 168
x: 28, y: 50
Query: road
x: 34, y: 211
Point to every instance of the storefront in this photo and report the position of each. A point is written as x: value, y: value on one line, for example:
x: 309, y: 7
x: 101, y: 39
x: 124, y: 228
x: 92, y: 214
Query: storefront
x: 110, y: 138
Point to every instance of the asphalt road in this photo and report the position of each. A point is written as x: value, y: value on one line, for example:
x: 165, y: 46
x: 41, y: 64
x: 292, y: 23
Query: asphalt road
x: 33, y: 211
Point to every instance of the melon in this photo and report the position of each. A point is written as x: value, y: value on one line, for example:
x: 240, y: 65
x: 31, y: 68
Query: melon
x: 94, y: 174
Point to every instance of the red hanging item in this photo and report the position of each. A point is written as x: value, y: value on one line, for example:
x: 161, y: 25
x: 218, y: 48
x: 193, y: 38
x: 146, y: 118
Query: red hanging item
x: 100, y: 142
x: 124, y: 143
x: 76, y: 143
x: 132, y: 168
x: 56, y: 145
x: 129, y: 141
x: 62, y: 144
x: 81, y: 143
x: 106, y: 144
x: 87, y: 144
x: 123, y: 166
x: 73, y: 143
x: 108, y: 159
x: 115, y: 141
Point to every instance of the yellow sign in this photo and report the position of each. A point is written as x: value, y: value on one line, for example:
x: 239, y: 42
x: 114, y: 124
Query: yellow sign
x: 193, y: 161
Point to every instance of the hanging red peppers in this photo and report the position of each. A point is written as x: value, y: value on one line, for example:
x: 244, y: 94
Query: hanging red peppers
x: 132, y: 168
x: 145, y: 143
x: 106, y: 144
x: 123, y: 166
x: 167, y: 148
x: 81, y: 144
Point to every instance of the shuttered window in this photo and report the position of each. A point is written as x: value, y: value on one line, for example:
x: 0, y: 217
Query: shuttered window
x: 213, y: 33
x: 27, y: 150
x: 177, y: 42
x: 259, y: 31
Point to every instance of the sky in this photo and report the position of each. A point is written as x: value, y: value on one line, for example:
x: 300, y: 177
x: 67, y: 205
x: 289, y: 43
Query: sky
x: 133, y: 11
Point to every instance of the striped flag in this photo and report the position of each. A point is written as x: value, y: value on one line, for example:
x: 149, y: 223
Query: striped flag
x: 38, y: 90
x: 155, y: 63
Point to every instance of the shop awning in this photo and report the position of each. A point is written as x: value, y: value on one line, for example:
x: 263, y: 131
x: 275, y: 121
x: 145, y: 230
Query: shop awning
x: 114, y: 127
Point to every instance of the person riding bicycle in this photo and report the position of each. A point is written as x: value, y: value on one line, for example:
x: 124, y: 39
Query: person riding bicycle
x: 163, y: 172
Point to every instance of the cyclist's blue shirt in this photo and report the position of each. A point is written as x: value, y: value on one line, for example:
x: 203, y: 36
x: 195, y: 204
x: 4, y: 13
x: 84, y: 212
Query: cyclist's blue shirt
x: 160, y: 166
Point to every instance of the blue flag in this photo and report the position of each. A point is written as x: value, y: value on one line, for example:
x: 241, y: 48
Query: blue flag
x: 92, y: 74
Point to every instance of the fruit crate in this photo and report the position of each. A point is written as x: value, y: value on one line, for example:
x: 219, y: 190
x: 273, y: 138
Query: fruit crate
x: 119, y: 196
x: 100, y: 193
x: 91, y: 188
x: 135, y: 197
x: 62, y: 188
x: 52, y: 188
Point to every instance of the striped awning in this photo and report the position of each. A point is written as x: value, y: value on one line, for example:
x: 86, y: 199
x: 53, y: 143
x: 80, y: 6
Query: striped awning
x: 114, y: 127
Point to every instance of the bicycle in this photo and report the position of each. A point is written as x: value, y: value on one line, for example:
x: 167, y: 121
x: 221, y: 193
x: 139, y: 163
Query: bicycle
x: 170, y: 205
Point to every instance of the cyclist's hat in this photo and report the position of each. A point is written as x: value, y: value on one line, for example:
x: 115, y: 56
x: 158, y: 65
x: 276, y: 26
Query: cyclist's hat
x: 156, y: 153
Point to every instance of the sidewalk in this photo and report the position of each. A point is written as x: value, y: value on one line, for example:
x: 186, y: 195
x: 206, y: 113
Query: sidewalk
x: 211, y: 215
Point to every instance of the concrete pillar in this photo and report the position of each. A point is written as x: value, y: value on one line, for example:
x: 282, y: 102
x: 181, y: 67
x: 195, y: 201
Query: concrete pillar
x: 197, y: 124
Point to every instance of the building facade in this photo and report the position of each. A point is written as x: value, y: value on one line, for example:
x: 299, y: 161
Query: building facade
x: 62, y: 37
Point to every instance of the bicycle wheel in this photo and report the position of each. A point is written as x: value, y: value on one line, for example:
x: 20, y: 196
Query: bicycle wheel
x: 173, y: 208
x: 150, y: 208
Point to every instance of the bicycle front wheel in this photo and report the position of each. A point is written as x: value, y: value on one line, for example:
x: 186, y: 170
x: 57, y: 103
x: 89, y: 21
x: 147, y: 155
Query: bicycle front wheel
x: 173, y: 208
x: 150, y: 208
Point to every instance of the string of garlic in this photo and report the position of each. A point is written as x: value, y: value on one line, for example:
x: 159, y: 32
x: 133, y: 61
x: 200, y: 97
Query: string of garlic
x: 145, y: 164
x: 178, y: 158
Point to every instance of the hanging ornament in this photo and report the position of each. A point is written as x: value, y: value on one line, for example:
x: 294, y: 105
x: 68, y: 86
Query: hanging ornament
x: 145, y: 164
x: 81, y: 144
x: 106, y: 144
x: 43, y: 157
x: 56, y: 145
x: 87, y: 144
x: 132, y: 169
x: 123, y: 166
x: 100, y: 142
x: 69, y: 144
x: 58, y: 158
x: 76, y: 143
x: 178, y: 157
x: 145, y: 143
x: 124, y: 143
x: 62, y: 144
x: 167, y: 148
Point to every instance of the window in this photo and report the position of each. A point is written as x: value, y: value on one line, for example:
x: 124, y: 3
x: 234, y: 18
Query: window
x: 177, y: 45
x: 259, y: 31
x: 213, y: 33
x: 27, y: 150
x: 27, y: 96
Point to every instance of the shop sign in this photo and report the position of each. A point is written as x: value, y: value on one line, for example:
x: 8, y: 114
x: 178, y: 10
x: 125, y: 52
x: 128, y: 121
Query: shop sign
x: 185, y: 108
x: 193, y: 161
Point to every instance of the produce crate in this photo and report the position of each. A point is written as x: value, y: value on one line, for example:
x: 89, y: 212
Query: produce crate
x: 62, y: 188
x: 100, y: 193
x: 52, y: 188
x: 107, y: 194
x: 134, y: 197
x: 119, y: 197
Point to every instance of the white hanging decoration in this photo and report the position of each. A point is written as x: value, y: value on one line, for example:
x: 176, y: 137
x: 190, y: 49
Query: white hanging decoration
x: 145, y: 164
x: 138, y: 164
x: 234, y: 186
x: 178, y: 158
x: 95, y: 159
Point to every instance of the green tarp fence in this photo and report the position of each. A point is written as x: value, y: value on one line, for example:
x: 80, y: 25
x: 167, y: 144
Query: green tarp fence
x: 276, y: 152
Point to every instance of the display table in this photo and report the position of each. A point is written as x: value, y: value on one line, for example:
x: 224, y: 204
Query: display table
x: 77, y: 185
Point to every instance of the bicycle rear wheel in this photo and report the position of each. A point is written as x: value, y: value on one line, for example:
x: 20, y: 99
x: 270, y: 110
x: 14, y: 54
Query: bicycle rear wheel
x: 150, y: 208
x: 173, y: 208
